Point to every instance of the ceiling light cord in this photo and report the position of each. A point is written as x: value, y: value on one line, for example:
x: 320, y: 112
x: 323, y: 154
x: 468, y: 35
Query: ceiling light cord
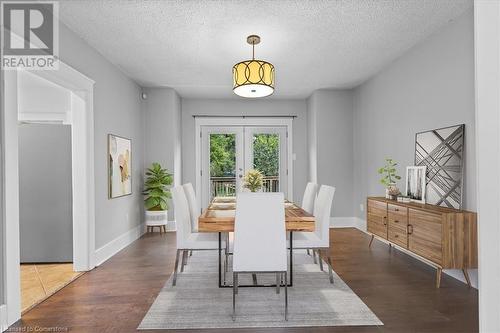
x: 253, y: 50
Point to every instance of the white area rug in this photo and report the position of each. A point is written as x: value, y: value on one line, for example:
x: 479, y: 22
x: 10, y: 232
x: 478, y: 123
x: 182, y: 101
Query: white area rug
x: 198, y: 302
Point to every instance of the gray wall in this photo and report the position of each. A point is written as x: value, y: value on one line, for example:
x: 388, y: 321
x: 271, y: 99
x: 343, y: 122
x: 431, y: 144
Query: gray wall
x: 45, y: 202
x: 238, y: 107
x: 431, y: 86
x: 117, y: 110
x: 331, y: 140
x: 163, y: 116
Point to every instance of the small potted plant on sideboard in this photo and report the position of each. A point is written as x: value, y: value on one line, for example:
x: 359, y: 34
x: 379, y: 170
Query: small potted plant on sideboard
x: 157, y: 194
x: 389, y: 178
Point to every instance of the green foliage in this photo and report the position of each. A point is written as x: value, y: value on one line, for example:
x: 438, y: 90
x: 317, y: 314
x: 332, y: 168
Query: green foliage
x: 389, y: 172
x: 266, y: 153
x: 222, y: 155
x: 155, y: 188
x: 253, y: 180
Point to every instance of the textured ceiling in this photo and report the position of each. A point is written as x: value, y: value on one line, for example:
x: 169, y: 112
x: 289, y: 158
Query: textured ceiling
x: 192, y: 45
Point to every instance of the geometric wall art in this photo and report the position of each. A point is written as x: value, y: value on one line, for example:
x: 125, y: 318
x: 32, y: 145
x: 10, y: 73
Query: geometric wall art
x: 119, y: 166
x: 442, y: 152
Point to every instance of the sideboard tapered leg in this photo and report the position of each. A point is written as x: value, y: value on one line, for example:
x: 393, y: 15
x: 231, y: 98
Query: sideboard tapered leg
x: 438, y: 277
x: 466, y: 275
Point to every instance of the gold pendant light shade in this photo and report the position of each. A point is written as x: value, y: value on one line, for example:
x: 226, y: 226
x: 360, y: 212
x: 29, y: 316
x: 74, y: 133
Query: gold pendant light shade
x: 253, y: 78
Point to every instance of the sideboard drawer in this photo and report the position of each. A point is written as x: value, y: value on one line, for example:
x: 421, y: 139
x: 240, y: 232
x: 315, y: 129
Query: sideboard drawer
x: 398, y: 236
x: 397, y: 213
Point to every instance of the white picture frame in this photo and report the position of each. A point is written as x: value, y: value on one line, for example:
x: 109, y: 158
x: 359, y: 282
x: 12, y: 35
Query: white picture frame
x: 119, y: 166
x: 415, y: 183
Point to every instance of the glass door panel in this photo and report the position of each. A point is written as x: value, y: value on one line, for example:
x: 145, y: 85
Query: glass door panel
x: 222, y: 162
x: 222, y: 165
x: 266, y: 151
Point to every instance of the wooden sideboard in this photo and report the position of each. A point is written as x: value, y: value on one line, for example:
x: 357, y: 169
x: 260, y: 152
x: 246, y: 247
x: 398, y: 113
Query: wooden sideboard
x: 444, y: 237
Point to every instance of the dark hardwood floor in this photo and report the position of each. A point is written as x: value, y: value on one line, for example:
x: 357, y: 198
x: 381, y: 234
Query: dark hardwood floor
x: 399, y: 289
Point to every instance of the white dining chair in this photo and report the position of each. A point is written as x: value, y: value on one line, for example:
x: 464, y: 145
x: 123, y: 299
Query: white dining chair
x: 194, y: 210
x: 319, y: 239
x: 309, y: 197
x: 308, y: 203
x: 187, y: 240
x: 259, y: 239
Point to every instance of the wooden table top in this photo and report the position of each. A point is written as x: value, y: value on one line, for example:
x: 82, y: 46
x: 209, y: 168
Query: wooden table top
x: 219, y: 217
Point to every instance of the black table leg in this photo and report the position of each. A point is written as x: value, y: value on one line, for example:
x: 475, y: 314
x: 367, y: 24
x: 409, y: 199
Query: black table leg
x: 291, y: 258
x: 220, y: 265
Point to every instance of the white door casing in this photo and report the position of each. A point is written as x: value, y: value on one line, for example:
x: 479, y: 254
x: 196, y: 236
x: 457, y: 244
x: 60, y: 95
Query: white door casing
x: 83, y: 176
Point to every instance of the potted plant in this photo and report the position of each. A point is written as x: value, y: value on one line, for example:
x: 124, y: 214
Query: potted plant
x: 389, y: 178
x: 253, y: 180
x: 157, y: 194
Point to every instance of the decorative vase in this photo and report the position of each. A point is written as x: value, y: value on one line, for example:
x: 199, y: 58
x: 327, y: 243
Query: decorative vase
x: 391, y: 192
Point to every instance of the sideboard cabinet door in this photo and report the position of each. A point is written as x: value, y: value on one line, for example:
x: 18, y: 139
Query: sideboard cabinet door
x: 377, y: 218
x: 425, y: 234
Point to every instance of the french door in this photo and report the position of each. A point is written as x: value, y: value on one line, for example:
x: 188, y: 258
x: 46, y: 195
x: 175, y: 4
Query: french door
x: 228, y: 152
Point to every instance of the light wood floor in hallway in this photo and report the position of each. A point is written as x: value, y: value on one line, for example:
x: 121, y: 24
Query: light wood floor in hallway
x: 399, y: 289
x: 39, y: 281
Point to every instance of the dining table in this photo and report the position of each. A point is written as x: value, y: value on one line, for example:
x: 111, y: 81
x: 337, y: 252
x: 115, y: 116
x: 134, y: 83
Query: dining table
x: 219, y: 217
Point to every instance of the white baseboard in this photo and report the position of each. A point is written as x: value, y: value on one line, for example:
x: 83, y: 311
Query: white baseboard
x: 171, y: 226
x: 359, y: 223
x: 457, y: 274
x: 348, y: 222
x: 110, y: 249
x: 4, y: 325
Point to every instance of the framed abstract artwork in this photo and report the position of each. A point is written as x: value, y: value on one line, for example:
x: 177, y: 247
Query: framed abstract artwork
x: 442, y: 152
x: 119, y: 166
x: 415, y: 183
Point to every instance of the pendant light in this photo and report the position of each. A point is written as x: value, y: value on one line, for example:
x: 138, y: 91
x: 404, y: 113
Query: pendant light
x: 253, y: 78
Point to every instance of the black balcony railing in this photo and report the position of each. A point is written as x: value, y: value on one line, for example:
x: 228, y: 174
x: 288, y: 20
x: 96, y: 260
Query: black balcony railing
x: 226, y: 186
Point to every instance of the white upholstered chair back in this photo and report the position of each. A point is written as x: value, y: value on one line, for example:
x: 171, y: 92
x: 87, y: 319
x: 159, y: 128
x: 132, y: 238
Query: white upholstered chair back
x: 182, y: 216
x: 194, y: 211
x: 322, y: 209
x: 309, y: 197
x: 259, y: 234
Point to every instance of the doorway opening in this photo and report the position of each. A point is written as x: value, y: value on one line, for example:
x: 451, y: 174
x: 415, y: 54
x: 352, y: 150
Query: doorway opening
x: 45, y: 189
x: 81, y: 119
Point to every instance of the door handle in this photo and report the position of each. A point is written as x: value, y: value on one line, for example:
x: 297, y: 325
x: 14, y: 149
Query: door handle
x: 410, y: 229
